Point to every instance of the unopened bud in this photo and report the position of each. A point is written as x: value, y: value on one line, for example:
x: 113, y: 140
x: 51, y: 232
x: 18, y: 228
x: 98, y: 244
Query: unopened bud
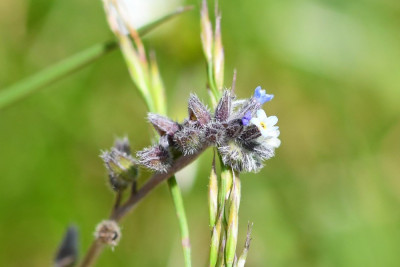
x: 157, y: 158
x: 163, y: 125
x: 189, y: 140
x: 122, y: 168
x: 198, y: 111
x: 224, y: 108
x: 108, y: 232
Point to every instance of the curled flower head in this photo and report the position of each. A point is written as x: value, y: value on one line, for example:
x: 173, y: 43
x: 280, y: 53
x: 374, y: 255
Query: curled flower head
x: 241, y: 131
x: 261, y: 96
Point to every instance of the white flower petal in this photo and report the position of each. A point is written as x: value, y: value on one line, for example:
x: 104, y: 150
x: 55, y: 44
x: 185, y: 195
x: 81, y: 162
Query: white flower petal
x: 255, y: 121
x: 272, y: 120
x: 261, y: 114
x: 274, y: 142
x: 264, y: 132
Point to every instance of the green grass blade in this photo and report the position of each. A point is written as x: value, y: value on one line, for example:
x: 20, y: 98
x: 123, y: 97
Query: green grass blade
x: 53, y: 73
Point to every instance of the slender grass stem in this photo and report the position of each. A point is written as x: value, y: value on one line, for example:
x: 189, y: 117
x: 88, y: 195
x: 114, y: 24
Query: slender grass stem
x: 180, y: 212
x: 53, y: 73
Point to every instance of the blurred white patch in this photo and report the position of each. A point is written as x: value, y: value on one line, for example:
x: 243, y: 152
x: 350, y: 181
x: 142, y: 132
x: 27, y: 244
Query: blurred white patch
x: 187, y: 176
x: 142, y: 12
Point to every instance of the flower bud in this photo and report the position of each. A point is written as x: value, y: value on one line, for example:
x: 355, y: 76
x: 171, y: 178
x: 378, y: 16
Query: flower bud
x: 157, y: 158
x: 198, y: 111
x: 224, y: 108
x: 189, y: 140
x: 108, y: 232
x: 122, y: 168
x: 122, y: 144
x: 163, y: 125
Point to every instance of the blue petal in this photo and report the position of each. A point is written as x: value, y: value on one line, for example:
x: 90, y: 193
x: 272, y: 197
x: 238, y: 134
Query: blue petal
x: 265, y: 98
x: 246, y: 119
x: 257, y: 92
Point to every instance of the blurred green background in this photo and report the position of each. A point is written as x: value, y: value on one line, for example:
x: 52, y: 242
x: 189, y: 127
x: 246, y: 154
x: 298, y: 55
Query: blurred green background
x: 331, y: 195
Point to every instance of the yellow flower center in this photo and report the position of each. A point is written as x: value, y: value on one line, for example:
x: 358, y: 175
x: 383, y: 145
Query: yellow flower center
x: 263, y: 125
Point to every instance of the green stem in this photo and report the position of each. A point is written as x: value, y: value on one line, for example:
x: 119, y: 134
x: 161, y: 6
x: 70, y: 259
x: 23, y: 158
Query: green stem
x: 70, y: 65
x: 53, y: 73
x: 180, y: 212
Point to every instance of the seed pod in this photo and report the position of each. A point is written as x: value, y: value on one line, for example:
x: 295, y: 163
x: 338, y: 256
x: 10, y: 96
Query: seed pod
x: 224, y: 108
x: 163, y: 125
x: 198, y: 111
x: 156, y: 158
x: 108, y: 232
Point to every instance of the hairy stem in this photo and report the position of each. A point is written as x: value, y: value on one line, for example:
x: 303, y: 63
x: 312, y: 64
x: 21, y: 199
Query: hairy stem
x: 155, y: 180
x: 121, y: 211
x: 180, y: 212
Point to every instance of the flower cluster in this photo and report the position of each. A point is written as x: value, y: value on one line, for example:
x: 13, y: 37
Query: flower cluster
x: 240, y: 129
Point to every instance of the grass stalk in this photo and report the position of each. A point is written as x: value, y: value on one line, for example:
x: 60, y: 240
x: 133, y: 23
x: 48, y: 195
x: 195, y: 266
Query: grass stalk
x: 183, y: 225
x: 70, y: 65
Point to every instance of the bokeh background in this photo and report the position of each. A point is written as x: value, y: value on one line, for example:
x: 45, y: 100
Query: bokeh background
x: 331, y: 195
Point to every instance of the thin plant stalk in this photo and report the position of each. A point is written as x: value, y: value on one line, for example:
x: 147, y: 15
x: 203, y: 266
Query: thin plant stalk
x: 70, y: 65
x: 180, y: 212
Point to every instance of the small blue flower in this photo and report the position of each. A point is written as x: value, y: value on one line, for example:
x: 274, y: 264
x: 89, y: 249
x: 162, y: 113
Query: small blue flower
x: 246, y: 119
x: 261, y: 96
